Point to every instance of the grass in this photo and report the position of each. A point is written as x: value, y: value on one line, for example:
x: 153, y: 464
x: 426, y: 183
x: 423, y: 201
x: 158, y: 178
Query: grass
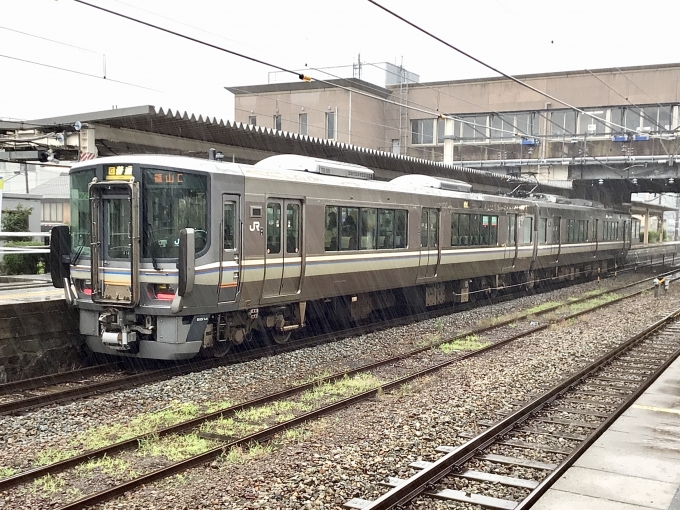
x: 543, y: 306
x: 47, y: 484
x: 6, y: 472
x: 469, y: 343
x: 240, y: 455
x: 174, y: 447
x: 110, y: 466
x: 591, y: 303
x: 297, y: 434
x: 593, y: 293
x: 145, y: 423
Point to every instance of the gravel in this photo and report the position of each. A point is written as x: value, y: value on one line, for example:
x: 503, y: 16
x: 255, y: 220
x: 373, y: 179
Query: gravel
x: 348, y: 454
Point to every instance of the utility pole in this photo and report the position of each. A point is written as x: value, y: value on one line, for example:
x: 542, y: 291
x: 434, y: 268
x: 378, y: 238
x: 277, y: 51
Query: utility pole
x: 23, y: 167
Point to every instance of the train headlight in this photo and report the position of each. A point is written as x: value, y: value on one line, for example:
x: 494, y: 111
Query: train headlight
x: 162, y: 291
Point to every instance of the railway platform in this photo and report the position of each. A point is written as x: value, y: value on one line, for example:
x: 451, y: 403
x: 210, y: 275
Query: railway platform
x: 635, y: 464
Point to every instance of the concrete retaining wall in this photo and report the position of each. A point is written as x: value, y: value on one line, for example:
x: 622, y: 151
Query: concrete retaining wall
x: 38, y: 338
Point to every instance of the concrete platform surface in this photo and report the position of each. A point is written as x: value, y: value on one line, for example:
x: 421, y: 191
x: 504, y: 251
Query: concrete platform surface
x: 633, y: 465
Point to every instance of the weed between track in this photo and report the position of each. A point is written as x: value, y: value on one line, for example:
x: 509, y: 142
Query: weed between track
x: 469, y: 343
x: 591, y: 303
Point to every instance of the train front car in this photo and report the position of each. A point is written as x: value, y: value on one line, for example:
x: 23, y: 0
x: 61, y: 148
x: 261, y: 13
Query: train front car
x: 143, y: 270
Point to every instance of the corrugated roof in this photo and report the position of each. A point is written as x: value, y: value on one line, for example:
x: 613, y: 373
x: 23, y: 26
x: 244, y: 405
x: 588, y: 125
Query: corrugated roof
x: 57, y: 187
x: 210, y: 129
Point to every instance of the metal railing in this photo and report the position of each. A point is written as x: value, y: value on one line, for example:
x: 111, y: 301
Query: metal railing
x: 5, y: 250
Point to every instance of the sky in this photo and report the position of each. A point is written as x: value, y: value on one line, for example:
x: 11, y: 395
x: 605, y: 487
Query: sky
x: 516, y: 36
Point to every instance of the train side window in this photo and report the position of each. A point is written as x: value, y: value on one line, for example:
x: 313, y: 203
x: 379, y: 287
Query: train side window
x: 485, y: 231
x: 273, y: 227
x: 581, y: 231
x: 454, y: 229
x: 331, y: 232
x: 368, y: 226
x: 493, y: 231
x: 570, y: 231
x: 400, y: 226
x: 464, y: 229
x: 292, y: 228
x: 386, y: 229
x: 348, y: 232
x: 512, y: 221
x: 229, y: 215
x: 542, y: 230
x: 424, y: 223
x: 474, y: 229
x: 528, y: 229
x: 557, y: 226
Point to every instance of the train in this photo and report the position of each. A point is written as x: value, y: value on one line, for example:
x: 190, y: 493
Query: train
x: 167, y: 257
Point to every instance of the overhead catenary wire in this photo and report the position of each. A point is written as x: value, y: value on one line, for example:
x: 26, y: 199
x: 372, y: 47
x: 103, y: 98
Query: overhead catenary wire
x: 78, y: 72
x: 494, y: 69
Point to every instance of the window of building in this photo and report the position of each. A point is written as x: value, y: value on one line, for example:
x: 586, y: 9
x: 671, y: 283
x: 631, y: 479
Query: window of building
x: 503, y: 126
x: 252, y: 120
x: 277, y: 122
x: 52, y: 212
x: 422, y: 131
x: 330, y: 125
x: 563, y: 122
x: 474, y: 128
x: 441, y: 129
x: 302, y: 123
x: 632, y: 118
x: 591, y: 125
x: 656, y: 118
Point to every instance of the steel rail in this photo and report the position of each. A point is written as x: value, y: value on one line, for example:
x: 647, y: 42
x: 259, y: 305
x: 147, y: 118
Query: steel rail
x: 131, y: 443
x: 423, y: 480
x: 268, y: 433
x: 57, y: 378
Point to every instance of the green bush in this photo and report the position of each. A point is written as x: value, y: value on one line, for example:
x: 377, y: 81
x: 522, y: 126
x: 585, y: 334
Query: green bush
x: 23, y: 263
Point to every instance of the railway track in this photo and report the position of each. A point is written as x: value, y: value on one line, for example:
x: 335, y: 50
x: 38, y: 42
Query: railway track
x: 556, y: 428
x: 221, y: 443
x: 74, y: 385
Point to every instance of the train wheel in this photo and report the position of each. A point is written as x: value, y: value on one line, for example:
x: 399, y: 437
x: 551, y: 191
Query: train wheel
x: 279, y: 338
x: 220, y: 349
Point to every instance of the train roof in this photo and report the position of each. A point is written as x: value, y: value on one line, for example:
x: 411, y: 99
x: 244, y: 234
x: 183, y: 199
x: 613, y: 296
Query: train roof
x: 309, y: 173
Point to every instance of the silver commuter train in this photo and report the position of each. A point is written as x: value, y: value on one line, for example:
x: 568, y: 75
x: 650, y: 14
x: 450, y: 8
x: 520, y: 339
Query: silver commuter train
x: 168, y: 256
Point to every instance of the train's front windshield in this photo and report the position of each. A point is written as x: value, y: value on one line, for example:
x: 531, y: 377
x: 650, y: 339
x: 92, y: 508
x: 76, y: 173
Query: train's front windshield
x: 172, y: 201
x: 80, y: 213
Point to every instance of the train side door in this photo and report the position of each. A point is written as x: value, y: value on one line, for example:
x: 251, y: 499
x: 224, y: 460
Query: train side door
x: 283, y: 253
x: 429, y: 243
x: 230, y: 255
x: 510, y: 255
x: 556, y: 240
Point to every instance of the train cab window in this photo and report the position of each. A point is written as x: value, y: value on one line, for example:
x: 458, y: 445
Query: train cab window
x: 331, y: 231
x: 528, y: 229
x: 542, y: 230
x: 368, y: 228
x: 229, y: 215
x: 292, y: 228
x: 400, y: 223
x: 349, y: 217
x: 273, y: 227
x: 512, y: 222
x: 385, y: 229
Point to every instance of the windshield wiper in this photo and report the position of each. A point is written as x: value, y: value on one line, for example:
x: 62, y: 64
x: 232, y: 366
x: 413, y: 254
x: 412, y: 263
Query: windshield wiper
x: 153, y: 245
x: 81, y: 247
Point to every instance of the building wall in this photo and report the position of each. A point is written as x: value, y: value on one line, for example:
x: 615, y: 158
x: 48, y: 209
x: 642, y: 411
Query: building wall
x: 378, y: 125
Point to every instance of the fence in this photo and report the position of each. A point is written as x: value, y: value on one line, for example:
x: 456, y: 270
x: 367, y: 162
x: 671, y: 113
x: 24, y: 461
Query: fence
x: 4, y: 250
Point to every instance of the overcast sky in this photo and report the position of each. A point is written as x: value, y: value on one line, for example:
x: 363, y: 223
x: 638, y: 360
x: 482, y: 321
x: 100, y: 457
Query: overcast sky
x: 517, y: 36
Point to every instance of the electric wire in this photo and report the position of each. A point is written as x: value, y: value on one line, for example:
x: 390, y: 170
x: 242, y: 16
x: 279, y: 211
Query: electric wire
x: 78, y: 72
x: 51, y: 40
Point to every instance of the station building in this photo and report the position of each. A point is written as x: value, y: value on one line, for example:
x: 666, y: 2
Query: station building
x: 494, y: 121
